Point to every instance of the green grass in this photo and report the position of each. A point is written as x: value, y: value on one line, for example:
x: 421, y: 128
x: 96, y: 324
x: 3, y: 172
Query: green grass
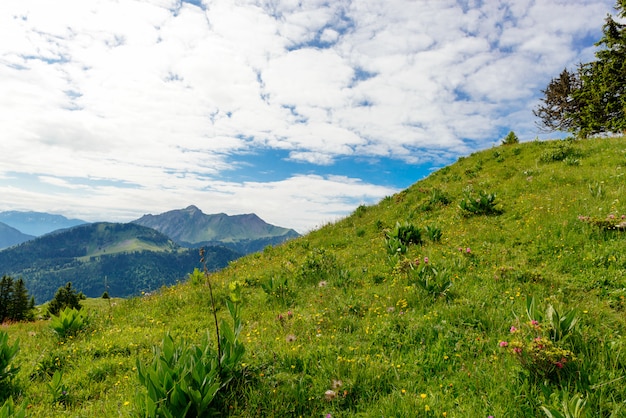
x: 334, y: 311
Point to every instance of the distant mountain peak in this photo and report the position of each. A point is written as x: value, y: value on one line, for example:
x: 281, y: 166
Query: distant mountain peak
x: 191, y: 227
x: 37, y: 223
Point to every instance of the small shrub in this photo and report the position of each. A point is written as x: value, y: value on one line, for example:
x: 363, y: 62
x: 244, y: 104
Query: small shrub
x: 559, y: 152
x: 7, y: 354
x: 360, y: 210
x: 105, y: 295
x: 510, y: 139
x: 484, y: 204
x: 196, y: 277
x: 69, y: 322
x: 319, y: 265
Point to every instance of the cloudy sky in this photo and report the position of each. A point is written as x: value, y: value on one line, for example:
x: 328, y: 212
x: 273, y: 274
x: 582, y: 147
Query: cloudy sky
x: 296, y: 110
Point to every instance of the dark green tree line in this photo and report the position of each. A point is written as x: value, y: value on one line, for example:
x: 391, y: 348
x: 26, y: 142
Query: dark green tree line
x: 592, y: 99
x: 15, y: 304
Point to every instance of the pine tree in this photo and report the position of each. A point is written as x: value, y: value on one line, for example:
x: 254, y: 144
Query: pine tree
x: 20, y: 305
x: 6, y: 290
x: 592, y: 100
x: 65, y: 297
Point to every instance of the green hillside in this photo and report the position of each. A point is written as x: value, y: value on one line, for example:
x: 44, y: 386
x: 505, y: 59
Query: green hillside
x: 414, y: 307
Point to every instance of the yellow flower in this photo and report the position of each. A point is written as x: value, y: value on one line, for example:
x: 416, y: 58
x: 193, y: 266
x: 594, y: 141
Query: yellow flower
x: 403, y: 391
x: 423, y: 396
x: 126, y: 403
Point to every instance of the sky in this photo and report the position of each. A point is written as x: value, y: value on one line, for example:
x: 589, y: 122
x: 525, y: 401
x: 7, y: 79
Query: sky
x: 296, y: 110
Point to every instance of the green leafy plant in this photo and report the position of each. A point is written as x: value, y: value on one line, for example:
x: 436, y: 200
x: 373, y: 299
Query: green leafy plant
x: 434, y: 233
x: 538, y: 344
x: 58, y: 390
x: 277, y: 288
x: 7, y: 354
x: 435, y: 282
x: 401, y: 236
x: 571, y: 407
x: 196, y: 277
x: 9, y: 410
x: 69, y: 322
x: 183, y: 379
x: 483, y: 204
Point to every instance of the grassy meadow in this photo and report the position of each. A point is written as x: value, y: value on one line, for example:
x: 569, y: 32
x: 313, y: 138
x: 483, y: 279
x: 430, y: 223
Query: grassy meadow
x: 494, y: 287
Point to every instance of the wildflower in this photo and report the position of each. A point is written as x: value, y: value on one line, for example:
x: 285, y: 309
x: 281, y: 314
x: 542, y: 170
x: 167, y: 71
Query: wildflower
x: 517, y: 350
x: 323, y: 283
x: 504, y: 344
x: 328, y: 416
x: 513, y: 329
x: 425, y: 260
x: 290, y: 338
x: 329, y: 395
x: 534, y: 323
x: 289, y: 314
x: 403, y: 391
x: 468, y: 251
x: 423, y: 395
x: 336, y: 384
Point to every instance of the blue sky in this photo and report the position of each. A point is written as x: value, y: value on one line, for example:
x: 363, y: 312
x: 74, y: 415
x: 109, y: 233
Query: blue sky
x: 296, y: 110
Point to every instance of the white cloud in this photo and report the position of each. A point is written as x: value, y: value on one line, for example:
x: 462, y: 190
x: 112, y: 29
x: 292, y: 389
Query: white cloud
x: 164, y: 95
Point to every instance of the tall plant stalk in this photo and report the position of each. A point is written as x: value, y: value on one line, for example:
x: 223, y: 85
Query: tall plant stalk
x: 217, y: 328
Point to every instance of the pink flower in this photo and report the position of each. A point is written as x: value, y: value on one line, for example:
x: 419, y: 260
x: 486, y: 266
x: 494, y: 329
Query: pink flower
x: 513, y: 329
x: 467, y: 250
x: 534, y: 323
x: 425, y: 260
x: 504, y: 344
x: 517, y: 350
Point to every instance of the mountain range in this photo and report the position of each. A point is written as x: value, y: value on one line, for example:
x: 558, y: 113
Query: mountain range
x: 191, y: 228
x: 128, y: 258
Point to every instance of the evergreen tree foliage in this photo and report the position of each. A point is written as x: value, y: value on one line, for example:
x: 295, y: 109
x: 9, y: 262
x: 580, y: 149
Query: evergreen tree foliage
x: 592, y: 100
x: 15, y: 304
x: 65, y: 296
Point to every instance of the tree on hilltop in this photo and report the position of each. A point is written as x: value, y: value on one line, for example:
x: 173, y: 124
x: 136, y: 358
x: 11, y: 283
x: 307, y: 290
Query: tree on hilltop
x: 591, y: 100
